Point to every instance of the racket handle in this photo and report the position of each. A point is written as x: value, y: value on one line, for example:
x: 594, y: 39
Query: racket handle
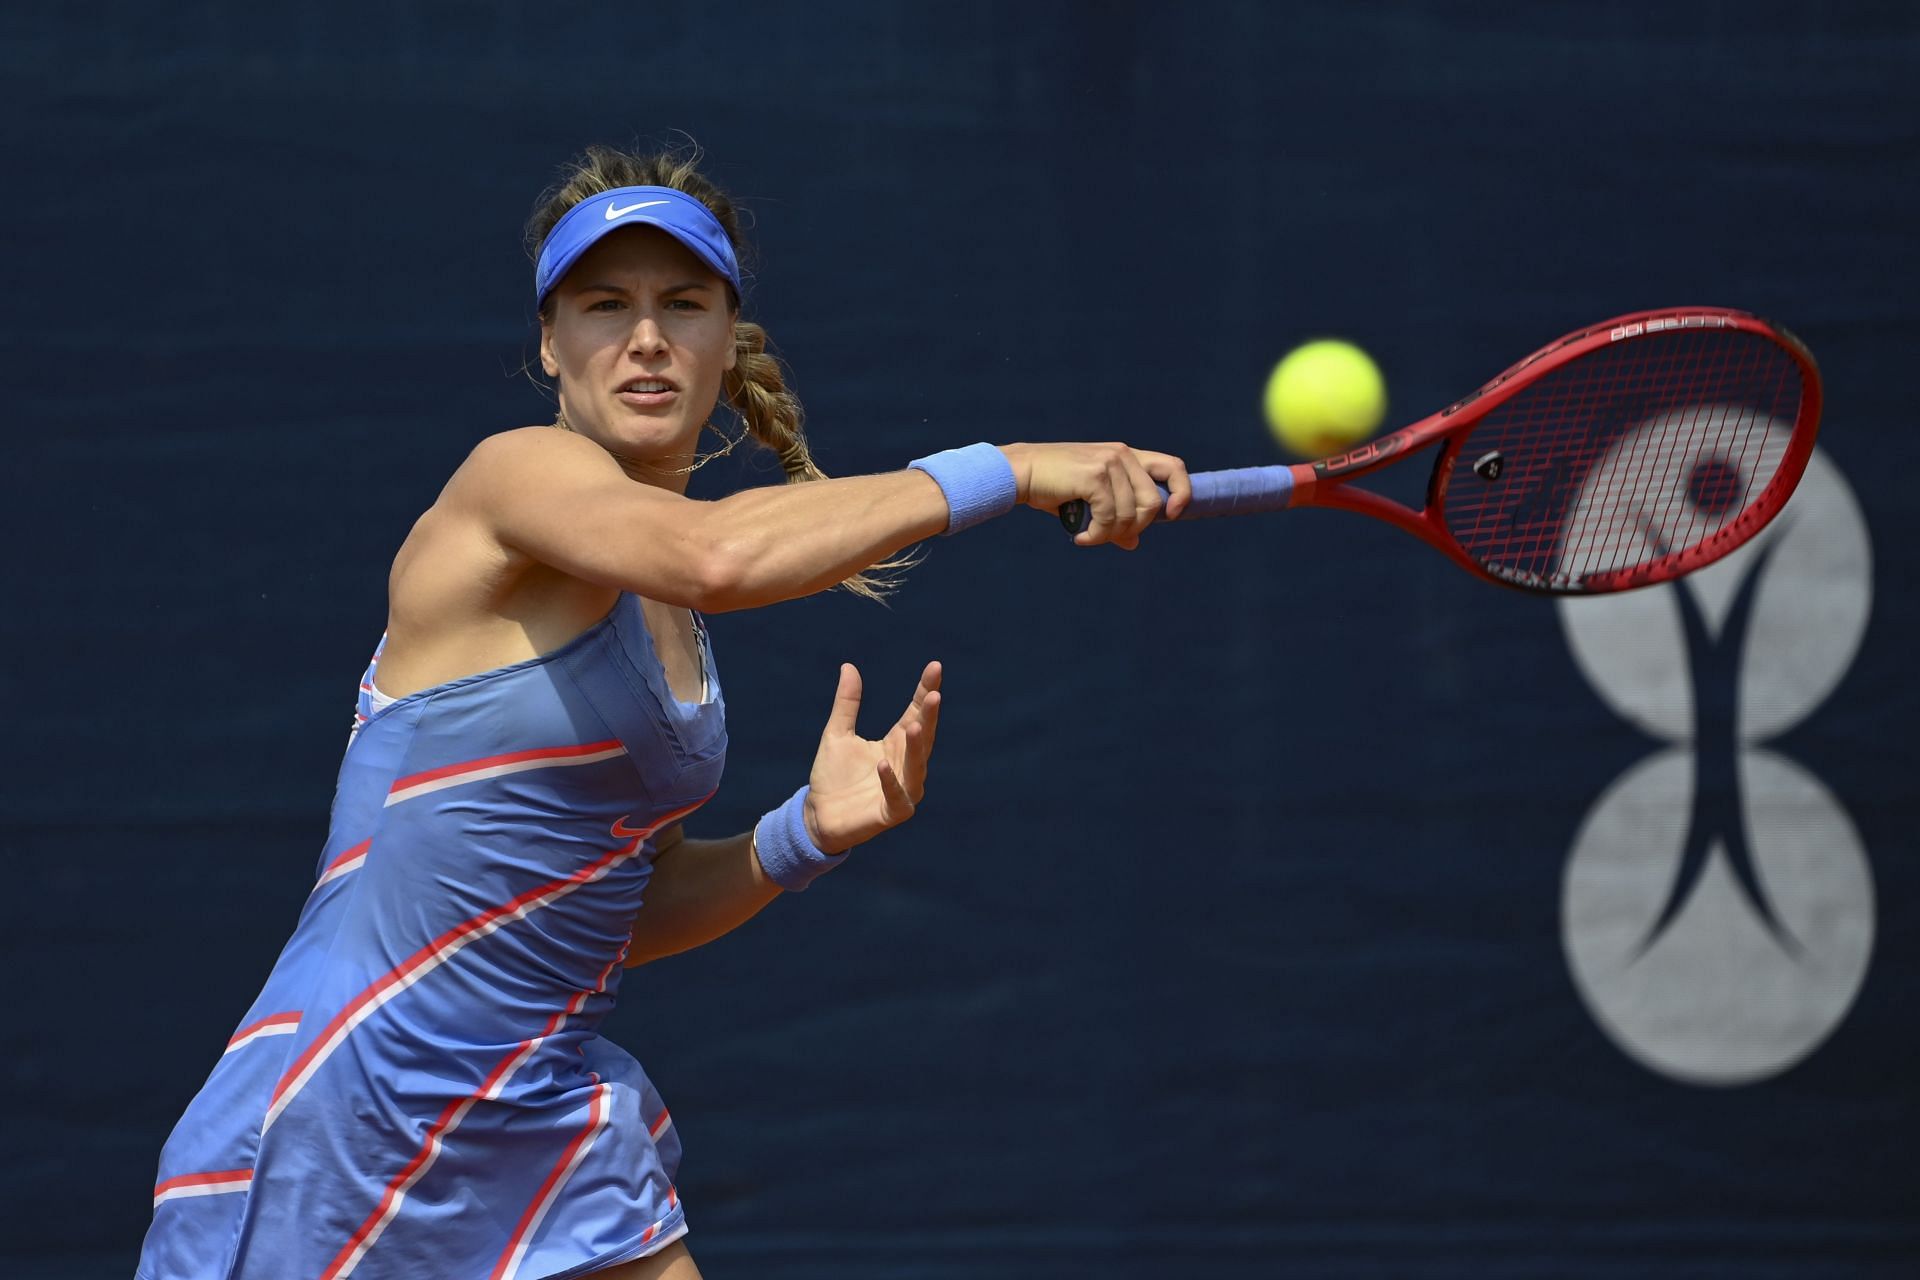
x: 1237, y: 492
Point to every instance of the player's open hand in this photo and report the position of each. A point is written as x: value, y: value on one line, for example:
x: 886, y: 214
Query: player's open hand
x: 1115, y: 481
x: 860, y: 788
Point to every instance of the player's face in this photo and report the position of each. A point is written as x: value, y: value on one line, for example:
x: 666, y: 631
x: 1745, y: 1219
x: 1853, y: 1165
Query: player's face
x: 639, y: 335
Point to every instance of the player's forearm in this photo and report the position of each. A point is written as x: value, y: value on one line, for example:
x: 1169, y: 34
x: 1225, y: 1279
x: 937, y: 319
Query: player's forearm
x: 782, y: 542
x: 700, y: 889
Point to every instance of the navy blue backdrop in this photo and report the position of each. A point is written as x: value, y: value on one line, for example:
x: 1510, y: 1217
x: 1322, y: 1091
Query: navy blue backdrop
x: 1257, y: 922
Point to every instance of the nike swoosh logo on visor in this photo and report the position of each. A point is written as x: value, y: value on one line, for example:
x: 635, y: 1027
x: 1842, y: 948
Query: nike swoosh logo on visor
x: 613, y: 212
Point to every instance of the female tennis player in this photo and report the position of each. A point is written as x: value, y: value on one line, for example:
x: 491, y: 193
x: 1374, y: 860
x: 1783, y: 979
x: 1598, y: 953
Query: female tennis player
x: 420, y: 1089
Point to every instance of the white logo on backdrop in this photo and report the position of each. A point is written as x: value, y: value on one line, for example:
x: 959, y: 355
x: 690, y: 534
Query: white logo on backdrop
x: 1717, y: 910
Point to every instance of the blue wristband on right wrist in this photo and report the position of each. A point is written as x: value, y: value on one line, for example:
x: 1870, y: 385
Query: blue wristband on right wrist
x: 786, y: 850
x: 977, y: 480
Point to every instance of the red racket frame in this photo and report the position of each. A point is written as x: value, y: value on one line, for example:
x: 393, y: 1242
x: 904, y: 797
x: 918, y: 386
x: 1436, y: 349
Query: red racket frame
x: 1325, y: 483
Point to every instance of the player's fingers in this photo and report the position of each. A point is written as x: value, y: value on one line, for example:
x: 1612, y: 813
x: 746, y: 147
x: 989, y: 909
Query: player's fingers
x: 911, y: 766
x: 930, y: 721
x: 929, y: 682
x: 925, y: 694
x: 1126, y: 509
x: 898, y: 804
x: 919, y: 749
x: 1146, y: 494
x: 846, y: 701
x: 1171, y: 472
x: 1100, y: 513
x: 1126, y: 532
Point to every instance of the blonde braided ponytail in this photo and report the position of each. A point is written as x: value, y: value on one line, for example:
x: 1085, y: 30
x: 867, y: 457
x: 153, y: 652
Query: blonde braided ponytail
x: 756, y: 388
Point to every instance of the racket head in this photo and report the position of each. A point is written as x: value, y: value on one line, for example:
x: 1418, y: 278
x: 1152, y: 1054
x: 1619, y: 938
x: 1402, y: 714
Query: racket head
x: 1622, y: 455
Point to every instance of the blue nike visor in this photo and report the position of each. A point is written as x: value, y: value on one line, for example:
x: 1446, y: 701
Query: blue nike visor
x: 674, y: 212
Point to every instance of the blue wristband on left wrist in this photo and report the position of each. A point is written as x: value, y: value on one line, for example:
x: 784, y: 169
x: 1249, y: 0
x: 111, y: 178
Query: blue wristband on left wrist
x: 787, y: 852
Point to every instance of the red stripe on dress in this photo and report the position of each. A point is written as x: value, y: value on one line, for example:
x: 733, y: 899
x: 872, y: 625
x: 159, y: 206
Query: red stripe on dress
x: 220, y: 1183
x: 352, y: 1251
x: 351, y: 860
x: 562, y: 1169
x: 348, y: 856
x: 511, y: 757
x: 271, y: 1020
x: 203, y: 1179
x: 391, y: 1199
x: 437, y: 951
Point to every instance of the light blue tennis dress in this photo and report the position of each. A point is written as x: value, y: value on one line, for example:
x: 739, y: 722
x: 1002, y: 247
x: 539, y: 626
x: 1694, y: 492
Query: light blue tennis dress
x: 420, y: 1089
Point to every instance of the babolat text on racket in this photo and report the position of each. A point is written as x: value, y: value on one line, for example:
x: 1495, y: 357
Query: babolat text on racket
x: 1620, y: 456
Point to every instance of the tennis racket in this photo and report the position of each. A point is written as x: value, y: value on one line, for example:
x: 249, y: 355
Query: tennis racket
x: 1623, y: 455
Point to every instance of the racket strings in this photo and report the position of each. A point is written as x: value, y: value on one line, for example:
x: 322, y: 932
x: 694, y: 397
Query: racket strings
x: 1635, y: 487
x: 1715, y: 465
x: 1637, y: 451
x: 1680, y: 519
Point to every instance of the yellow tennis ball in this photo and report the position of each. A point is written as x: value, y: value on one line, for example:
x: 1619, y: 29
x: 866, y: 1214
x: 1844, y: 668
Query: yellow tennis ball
x: 1324, y: 397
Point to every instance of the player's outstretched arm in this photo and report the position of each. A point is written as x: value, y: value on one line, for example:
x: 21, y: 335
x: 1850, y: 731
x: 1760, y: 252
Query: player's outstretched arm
x: 564, y: 501
x: 702, y: 889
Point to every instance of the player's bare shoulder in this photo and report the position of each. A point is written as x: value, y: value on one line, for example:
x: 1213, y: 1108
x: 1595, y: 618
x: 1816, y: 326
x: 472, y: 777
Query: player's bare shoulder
x: 523, y: 478
x: 465, y: 515
x: 512, y: 466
